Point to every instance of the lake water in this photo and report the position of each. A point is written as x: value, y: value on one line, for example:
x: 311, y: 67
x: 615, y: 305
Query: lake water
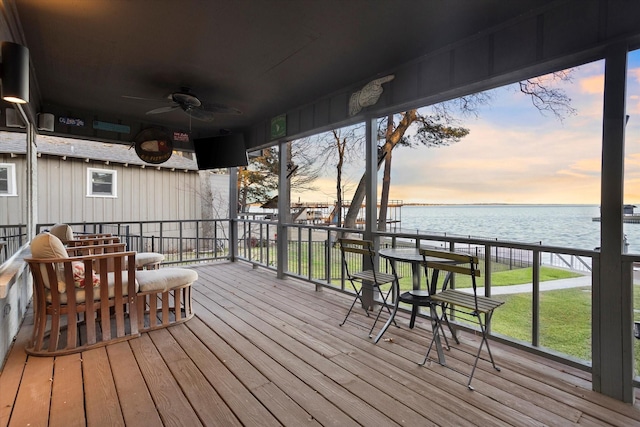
x: 569, y: 226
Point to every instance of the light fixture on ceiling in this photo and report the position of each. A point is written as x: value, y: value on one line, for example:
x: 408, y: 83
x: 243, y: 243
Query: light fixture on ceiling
x: 14, y: 73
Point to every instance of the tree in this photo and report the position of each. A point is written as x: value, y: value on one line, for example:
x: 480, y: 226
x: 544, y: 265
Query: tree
x: 339, y: 146
x: 431, y: 131
x: 258, y: 182
x: 548, y: 98
x: 435, y: 129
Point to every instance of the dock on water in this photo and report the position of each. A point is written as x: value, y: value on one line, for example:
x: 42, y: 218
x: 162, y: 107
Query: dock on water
x: 630, y: 219
x: 629, y: 215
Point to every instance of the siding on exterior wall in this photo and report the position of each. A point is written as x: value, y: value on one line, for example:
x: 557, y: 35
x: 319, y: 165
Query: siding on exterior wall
x: 220, y: 195
x: 12, y: 208
x: 143, y: 194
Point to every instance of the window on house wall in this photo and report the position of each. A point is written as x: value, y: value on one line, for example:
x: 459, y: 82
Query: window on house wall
x: 101, y: 183
x: 8, y: 179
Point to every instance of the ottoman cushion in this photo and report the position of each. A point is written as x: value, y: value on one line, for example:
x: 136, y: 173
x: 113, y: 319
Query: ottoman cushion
x: 164, y: 279
x: 144, y: 258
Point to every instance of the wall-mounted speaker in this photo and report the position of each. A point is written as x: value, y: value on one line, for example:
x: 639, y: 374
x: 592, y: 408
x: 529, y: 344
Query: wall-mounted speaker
x: 45, y: 122
x: 13, y: 120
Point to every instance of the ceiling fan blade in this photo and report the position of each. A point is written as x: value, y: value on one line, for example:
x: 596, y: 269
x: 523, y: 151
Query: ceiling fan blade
x: 221, y: 109
x: 200, y: 114
x: 163, y: 109
x: 139, y: 98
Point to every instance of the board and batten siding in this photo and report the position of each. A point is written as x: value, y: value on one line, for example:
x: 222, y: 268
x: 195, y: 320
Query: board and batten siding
x: 12, y: 208
x: 143, y: 194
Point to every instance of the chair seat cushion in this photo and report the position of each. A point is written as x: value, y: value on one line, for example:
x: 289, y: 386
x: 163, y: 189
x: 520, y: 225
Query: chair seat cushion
x: 164, y: 279
x: 81, y: 294
x: 144, y: 258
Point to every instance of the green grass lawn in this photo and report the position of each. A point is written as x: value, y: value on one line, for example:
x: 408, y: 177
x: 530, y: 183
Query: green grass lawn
x: 565, y: 320
x: 517, y: 276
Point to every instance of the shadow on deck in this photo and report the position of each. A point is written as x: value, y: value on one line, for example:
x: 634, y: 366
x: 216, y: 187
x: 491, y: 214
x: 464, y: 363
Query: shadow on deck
x: 262, y: 351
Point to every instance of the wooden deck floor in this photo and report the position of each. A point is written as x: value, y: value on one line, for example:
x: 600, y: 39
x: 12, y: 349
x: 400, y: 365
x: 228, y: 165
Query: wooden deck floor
x: 263, y: 352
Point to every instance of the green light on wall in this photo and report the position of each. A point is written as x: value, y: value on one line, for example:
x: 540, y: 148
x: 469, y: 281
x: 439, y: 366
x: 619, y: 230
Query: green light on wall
x: 279, y: 126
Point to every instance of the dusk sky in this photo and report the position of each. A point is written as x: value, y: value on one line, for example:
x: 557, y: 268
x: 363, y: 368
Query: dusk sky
x: 514, y: 154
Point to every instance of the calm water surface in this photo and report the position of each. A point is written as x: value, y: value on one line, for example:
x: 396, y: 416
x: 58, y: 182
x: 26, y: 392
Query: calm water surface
x: 568, y: 226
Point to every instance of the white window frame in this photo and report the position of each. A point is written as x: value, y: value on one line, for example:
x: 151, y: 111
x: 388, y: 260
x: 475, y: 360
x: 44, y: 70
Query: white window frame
x: 114, y: 182
x: 11, y: 176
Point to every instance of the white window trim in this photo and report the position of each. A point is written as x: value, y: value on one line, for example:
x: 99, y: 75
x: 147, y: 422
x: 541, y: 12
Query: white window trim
x: 11, y: 174
x: 114, y: 186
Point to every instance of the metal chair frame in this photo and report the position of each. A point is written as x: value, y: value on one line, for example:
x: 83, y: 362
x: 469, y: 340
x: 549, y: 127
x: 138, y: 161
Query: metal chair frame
x: 453, y: 300
x: 370, y: 277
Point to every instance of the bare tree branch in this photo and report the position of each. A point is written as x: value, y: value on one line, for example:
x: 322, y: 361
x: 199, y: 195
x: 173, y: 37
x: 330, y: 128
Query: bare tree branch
x: 549, y: 98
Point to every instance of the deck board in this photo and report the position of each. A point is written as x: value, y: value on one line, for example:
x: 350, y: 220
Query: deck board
x: 173, y: 406
x: 241, y: 402
x: 205, y: 400
x: 138, y: 408
x: 102, y: 404
x: 263, y: 352
x: 12, y: 371
x: 67, y: 399
x: 34, y: 396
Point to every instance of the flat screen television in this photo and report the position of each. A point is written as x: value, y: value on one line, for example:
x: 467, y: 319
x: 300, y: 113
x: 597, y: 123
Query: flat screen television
x: 224, y: 151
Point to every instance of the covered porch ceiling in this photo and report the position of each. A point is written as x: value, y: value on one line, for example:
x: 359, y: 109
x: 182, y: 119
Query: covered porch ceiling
x: 113, y: 61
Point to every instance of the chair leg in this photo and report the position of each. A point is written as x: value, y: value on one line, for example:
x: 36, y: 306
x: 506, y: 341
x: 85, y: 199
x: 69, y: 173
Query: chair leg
x: 436, y: 327
x: 385, y: 304
x: 358, y: 297
x: 414, y: 314
x: 446, y: 319
x: 484, y: 341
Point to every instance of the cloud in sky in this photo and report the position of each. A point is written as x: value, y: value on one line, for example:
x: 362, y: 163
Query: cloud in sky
x: 514, y: 154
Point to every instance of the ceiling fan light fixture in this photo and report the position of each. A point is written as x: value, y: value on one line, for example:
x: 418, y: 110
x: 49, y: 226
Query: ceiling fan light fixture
x: 186, y: 99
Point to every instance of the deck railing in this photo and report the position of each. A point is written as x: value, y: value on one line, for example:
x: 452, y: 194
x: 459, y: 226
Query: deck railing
x: 180, y: 241
x: 12, y: 237
x: 529, y: 318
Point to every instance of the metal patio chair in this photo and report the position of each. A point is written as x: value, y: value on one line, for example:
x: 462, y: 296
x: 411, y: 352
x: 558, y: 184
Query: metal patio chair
x: 467, y: 304
x: 369, y: 277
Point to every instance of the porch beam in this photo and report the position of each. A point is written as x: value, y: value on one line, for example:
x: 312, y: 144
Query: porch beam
x: 284, y: 210
x: 233, y: 214
x: 371, y: 188
x: 32, y: 181
x: 612, y: 293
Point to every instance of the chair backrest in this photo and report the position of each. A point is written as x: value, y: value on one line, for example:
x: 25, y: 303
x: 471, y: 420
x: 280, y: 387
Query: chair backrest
x: 79, y: 236
x: 96, y: 249
x: 48, y: 246
x: 453, y: 262
x: 355, y: 246
x: 107, y: 240
x: 62, y: 232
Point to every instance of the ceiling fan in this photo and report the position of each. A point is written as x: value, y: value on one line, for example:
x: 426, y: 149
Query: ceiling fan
x: 188, y: 102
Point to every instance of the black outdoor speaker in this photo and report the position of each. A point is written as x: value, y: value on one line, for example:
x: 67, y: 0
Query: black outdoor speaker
x: 224, y: 151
